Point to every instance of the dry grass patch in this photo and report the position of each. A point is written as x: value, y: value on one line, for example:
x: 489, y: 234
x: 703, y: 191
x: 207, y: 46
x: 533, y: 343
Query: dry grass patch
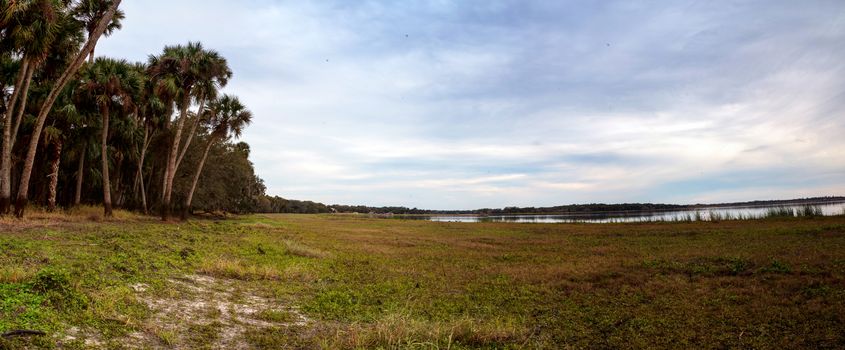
x: 300, y: 273
x: 15, y: 274
x: 237, y: 269
x: 74, y: 214
x: 260, y: 225
x: 401, y: 331
x: 298, y: 249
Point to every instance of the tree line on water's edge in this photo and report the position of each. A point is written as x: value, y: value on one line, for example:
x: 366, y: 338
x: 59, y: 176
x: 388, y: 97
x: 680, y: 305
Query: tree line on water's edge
x: 275, y: 204
x: 146, y: 136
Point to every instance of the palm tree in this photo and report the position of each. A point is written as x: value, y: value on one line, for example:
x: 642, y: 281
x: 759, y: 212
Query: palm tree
x: 149, y: 112
x: 226, y: 117
x: 190, y: 69
x: 66, y: 43
x: 47, y: 105
x: 64, y: 124
x: 90, y: 12
x: 214, y: 75
x: 29, y: 29
x: 107, y: 83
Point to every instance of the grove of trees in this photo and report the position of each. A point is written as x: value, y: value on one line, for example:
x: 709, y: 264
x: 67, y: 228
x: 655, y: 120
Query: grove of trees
x: 154, y: 136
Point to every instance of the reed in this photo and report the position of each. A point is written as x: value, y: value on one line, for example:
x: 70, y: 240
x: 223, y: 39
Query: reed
x: 779, y: 212
x: 809, y: 211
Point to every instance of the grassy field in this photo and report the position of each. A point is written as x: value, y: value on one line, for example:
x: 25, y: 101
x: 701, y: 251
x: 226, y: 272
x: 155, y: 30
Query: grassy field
x: 304, y: 281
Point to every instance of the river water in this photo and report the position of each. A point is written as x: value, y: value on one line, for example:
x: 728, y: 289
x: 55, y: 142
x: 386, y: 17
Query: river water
x: 703, y: 214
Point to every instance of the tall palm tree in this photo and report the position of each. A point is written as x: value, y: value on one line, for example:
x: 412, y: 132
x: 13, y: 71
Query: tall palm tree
x: 90, y: 12
x: 47, y: 105
x: 29, y: 29
x: 189, y: 68
x: 68, y: 39
x: 65, y: 122
x: 109, y: 83
x: 226, y: 117
x: 214, y: 75
x: 153, y: 113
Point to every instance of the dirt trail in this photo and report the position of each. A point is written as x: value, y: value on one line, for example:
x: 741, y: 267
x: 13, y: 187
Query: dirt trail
x: 200, y: 312
x: 203, y: 310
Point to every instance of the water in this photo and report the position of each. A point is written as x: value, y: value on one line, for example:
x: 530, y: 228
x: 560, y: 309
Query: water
x: 705, y: 214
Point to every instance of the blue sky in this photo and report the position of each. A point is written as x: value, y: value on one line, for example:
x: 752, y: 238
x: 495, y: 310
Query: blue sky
x: 467, y: 104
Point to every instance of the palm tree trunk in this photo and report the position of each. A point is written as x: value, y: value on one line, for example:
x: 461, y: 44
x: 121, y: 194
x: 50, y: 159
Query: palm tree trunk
x: 54, y: 174
x: 164, y: 180
x: 149, y: 183
x: 77, y: 199
x: 140, y: 175
x: 13, y: 100
x: 117, y: 189
x: 20, y: 110
x: 191, y: 133
x: 6, y: 157
x: 174, y: 153
x: 190, y: 197
x: 70, y: 71
x: 143, y: 191
x: 107, y: 210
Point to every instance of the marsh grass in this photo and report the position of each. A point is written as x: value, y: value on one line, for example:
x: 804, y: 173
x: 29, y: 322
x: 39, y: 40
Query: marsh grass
x: 803, y: 211
x: 807, y: 211
x: 810, y: 211
x: 779, y: 212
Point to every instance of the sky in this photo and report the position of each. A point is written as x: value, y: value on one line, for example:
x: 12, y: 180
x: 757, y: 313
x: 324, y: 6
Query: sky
x: 475, y: 104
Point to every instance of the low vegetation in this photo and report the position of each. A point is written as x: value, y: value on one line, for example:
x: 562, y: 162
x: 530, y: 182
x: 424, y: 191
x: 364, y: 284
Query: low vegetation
x: 347, y: 281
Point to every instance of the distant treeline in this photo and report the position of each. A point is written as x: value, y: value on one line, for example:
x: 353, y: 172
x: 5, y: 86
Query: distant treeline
x: 277, y: 204
x: 799, y: 201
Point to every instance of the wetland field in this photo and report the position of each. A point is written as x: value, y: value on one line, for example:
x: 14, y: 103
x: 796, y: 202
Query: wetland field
x: 353, y: 282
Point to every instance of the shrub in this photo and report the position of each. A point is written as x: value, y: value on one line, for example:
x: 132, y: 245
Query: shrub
x: 778, y: 267
x: 51, y: 280
x: 55, y: 285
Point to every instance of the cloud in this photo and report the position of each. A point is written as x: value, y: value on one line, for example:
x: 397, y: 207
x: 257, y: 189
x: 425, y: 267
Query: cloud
x: 444, y: 104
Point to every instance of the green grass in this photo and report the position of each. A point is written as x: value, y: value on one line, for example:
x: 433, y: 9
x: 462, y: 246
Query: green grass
x: 376, y: 283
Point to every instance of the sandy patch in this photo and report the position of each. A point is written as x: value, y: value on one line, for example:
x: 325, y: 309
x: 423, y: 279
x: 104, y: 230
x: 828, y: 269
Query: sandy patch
x: 203, y: 310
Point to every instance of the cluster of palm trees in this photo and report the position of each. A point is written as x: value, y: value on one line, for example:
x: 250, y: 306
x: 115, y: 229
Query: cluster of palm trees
x: 59, y: 102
